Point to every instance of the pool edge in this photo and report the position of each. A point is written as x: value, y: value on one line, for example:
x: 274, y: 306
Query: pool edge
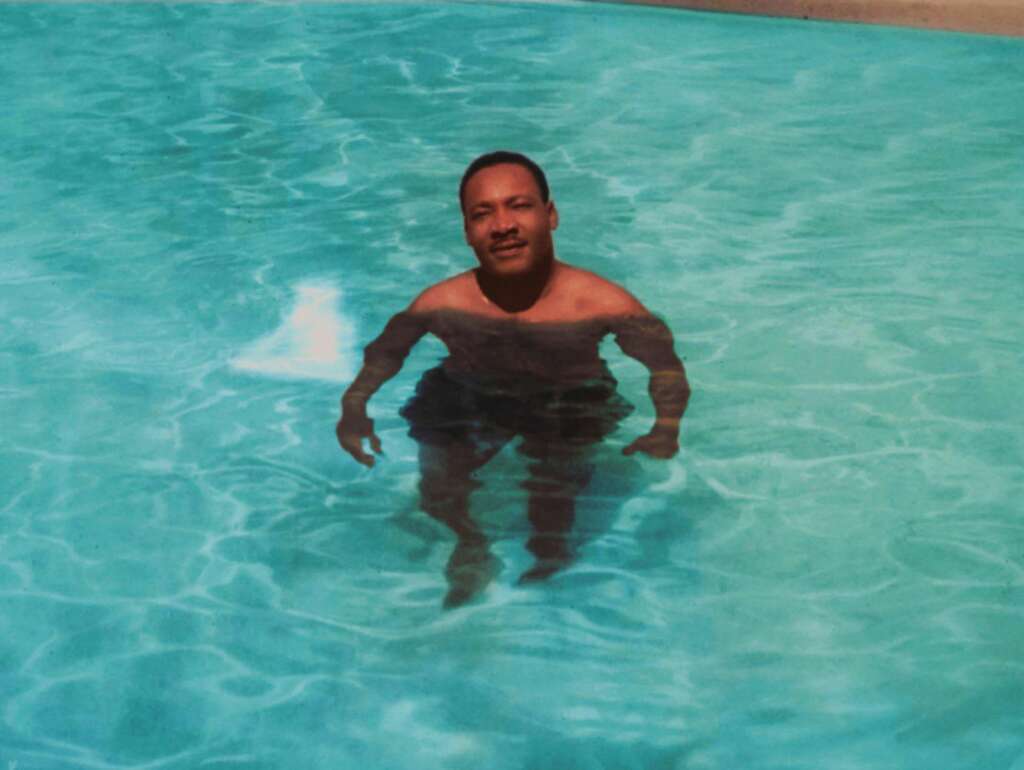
x: 986, y: 17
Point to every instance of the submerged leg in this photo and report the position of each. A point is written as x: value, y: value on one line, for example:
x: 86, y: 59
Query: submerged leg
x: 445, y: 485
x: 557, y: 474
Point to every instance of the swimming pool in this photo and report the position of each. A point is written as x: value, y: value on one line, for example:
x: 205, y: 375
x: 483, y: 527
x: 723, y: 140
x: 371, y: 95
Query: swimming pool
x: 194, y: 576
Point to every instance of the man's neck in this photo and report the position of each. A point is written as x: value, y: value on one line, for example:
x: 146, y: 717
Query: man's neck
x: 516, y: 293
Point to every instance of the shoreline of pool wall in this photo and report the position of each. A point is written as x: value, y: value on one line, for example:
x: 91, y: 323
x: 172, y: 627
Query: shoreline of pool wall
x: 988, y: 17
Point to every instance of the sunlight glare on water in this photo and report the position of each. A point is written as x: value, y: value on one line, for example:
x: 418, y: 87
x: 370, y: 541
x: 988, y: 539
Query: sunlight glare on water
x: 313, y: 341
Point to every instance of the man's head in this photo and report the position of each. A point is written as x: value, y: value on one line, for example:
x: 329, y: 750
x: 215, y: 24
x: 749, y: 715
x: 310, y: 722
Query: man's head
x: 507, y: 213
x: 504, y: 156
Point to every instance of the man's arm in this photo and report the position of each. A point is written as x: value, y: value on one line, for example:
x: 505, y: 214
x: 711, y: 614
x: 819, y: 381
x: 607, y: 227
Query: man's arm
x: 648, y: 340
x: 382, y: 360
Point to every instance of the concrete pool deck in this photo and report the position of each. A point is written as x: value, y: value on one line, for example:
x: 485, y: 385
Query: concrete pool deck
x: 989, y: 17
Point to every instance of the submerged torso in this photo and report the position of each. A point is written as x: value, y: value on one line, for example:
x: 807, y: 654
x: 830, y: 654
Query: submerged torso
x: 544, y: 354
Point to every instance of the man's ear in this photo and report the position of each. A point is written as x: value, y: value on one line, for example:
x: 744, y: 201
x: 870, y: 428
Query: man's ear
x: 552, y: 215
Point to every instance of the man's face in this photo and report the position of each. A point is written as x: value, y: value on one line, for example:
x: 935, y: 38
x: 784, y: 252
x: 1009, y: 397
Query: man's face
x: 506, y: 222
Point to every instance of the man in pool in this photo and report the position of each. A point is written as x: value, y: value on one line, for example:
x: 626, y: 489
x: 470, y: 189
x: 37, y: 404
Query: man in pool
x: 522, y: 332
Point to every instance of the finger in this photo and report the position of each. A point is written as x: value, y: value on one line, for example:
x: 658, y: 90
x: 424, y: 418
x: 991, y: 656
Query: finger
x: 631, y: 449
x: 355, y: 448
x: 375, y: 443
x: 363, y: 458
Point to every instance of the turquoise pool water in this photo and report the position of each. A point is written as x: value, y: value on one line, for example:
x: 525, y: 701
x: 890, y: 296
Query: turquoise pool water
x: 210, y: 209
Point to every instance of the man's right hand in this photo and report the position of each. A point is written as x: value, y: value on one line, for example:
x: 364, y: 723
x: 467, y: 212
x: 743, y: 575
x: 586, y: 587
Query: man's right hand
x: 351, y: 430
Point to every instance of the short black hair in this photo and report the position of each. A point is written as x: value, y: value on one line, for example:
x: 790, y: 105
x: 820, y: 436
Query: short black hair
x: 504, y: 156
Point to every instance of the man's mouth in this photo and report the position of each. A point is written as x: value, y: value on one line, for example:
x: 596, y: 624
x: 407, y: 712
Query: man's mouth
x: 507, y: 247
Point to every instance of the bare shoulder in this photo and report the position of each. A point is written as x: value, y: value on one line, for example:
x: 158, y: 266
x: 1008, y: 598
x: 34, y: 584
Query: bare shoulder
x: 455, y: 293
x: 595, y: 295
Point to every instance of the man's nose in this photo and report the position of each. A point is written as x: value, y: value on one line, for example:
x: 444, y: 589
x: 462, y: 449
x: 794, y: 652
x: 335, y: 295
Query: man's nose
x: 503, y: 223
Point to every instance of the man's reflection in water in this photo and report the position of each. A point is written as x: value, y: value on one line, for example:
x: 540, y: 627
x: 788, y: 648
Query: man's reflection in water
x: 522, y: 332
